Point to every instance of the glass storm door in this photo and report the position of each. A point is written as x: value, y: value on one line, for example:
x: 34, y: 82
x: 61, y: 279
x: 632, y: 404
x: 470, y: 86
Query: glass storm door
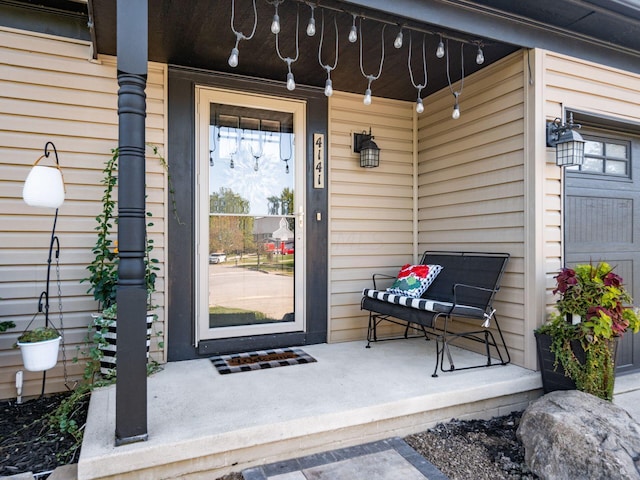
x: 250, y: 214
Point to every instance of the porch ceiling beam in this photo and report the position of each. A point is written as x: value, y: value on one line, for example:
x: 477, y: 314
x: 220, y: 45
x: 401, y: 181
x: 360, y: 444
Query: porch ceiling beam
x: 483, y: 21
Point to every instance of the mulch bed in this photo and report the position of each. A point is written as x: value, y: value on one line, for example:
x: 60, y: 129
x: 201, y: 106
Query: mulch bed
x: 28, y: 444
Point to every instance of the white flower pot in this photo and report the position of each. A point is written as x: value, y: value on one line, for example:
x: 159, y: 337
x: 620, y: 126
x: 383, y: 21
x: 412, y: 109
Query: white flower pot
x: 40, y: 356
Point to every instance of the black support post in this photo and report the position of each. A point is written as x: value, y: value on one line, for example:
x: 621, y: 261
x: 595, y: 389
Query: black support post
x: 131, y: 382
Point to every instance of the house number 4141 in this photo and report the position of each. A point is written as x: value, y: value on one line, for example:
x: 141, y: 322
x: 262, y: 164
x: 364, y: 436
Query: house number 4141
x: 318, y: 160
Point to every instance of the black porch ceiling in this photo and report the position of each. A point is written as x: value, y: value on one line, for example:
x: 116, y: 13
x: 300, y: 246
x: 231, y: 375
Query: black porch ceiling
x: 200, y: 36
x: 197, y: 34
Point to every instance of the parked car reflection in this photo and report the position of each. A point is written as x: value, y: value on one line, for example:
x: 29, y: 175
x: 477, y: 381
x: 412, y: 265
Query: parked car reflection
x: 217, y: 258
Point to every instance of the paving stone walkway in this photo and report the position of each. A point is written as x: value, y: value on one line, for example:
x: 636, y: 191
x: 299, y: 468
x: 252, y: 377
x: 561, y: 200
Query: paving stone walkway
x: 389, y: 459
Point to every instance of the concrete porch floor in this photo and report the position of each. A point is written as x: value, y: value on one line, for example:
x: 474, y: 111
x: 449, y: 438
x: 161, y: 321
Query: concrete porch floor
x: 203, y: 425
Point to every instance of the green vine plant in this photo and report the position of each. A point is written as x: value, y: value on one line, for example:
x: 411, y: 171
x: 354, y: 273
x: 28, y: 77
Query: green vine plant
x: 592, y: 374
x: 103, y: 269
x: 103, y: 279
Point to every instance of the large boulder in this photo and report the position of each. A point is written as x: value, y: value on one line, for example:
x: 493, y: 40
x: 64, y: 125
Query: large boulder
x: 574, y: 435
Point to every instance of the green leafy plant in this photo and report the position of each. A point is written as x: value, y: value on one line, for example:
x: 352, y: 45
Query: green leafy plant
x: 103, y: 269
x: 103, y: 280
x: 597, y: 296
x: 39, y: 334
x: 4, y: 326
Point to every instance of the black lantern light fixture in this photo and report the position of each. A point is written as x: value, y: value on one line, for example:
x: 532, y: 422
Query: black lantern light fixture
x: 569, y: 143
x: 369, y: 152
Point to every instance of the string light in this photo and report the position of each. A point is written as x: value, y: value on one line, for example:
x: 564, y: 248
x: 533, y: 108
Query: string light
x: 233, y: 58
x: 353, y: 33
x: 440, y: 49
x: 397, y: 43
x: 238, y: 142
x: 286, y: 160
x: 275, y: 23
x: 371, y: 78
x: 257, y: 155
x: 328, y: 86
x: 419, y: 103
x: 456, y: 107
x: 311, y: 26
x: 480, y: 55
x: 291, y: 84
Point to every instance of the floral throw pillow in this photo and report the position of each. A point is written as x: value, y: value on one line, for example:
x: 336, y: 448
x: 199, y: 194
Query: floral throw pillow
x: 413, y: 280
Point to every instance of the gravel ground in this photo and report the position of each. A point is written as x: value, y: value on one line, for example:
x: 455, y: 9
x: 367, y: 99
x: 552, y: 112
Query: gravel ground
x: 462, y: 450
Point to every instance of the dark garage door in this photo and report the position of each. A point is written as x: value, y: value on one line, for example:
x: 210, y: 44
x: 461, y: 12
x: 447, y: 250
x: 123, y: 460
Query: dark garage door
x: 602, y: 217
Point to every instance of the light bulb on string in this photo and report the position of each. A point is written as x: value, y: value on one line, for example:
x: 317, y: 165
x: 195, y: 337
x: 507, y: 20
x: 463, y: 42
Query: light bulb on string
x: 311, y: 26
x: 371, y: 77
x: 480, y: 56
x: 419, y: 87
x: 456, y: 112
x: 291, y: 84
x: 353, y: 33
x: 275, y: 24
x: 397, y: 43
x: 456, y: 108
x: 440, y: 49
x: 233, y: 58
x: 328, y: 85
x: 328, y: 88
x: 367, y: 97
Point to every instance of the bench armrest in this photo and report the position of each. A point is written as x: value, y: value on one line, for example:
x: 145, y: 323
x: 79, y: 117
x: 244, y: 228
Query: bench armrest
x: 381, y: 276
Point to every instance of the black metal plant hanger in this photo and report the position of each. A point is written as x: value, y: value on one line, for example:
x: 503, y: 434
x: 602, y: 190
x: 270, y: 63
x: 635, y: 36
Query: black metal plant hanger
x: 44, y: 296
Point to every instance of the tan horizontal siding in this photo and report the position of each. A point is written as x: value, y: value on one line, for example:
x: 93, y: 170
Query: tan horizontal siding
x: 585, y: 86
x: 51, y: 91
x: 371, y: 228
x: 471, y: 179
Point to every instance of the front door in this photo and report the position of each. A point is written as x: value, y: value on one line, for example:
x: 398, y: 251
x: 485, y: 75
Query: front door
x: 250, y: 215
x: 602, y: 217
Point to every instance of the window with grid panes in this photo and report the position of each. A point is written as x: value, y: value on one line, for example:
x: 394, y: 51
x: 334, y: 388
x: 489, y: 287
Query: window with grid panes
x: 605, y: 156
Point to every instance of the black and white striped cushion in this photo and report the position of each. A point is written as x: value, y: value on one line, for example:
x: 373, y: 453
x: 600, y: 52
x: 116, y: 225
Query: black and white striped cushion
x: 418, y: 303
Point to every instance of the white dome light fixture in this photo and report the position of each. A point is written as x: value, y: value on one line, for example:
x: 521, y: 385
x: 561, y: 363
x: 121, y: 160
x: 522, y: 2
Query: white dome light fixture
x: 44, y: 186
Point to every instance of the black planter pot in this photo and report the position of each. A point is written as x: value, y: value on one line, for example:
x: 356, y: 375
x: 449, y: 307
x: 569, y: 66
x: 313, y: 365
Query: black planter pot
x: 554, y: 379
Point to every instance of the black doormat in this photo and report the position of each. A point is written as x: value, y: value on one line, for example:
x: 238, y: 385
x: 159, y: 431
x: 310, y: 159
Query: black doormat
x: 245, y: 362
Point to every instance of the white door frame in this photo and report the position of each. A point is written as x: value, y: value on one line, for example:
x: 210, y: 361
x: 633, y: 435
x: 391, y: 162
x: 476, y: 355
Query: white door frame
x: 204, y: 97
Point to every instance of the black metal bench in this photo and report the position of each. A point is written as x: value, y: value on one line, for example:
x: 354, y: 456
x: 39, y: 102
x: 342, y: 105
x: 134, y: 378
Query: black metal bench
x: 465, y: 287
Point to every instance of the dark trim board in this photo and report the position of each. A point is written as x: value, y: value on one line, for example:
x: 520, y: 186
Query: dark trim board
x: 46, y: 20
x: 180, y: 278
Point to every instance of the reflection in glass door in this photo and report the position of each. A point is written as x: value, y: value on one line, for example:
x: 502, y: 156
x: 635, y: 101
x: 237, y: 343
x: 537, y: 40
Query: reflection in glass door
x: 253, y: 235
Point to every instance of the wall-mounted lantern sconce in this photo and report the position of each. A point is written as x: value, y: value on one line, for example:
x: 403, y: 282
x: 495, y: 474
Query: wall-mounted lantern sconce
x: 369, y: 152
x: 569, y: 143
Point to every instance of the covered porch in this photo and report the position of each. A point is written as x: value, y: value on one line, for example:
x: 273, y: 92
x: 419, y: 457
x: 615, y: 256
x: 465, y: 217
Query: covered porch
x: 203, y: 425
